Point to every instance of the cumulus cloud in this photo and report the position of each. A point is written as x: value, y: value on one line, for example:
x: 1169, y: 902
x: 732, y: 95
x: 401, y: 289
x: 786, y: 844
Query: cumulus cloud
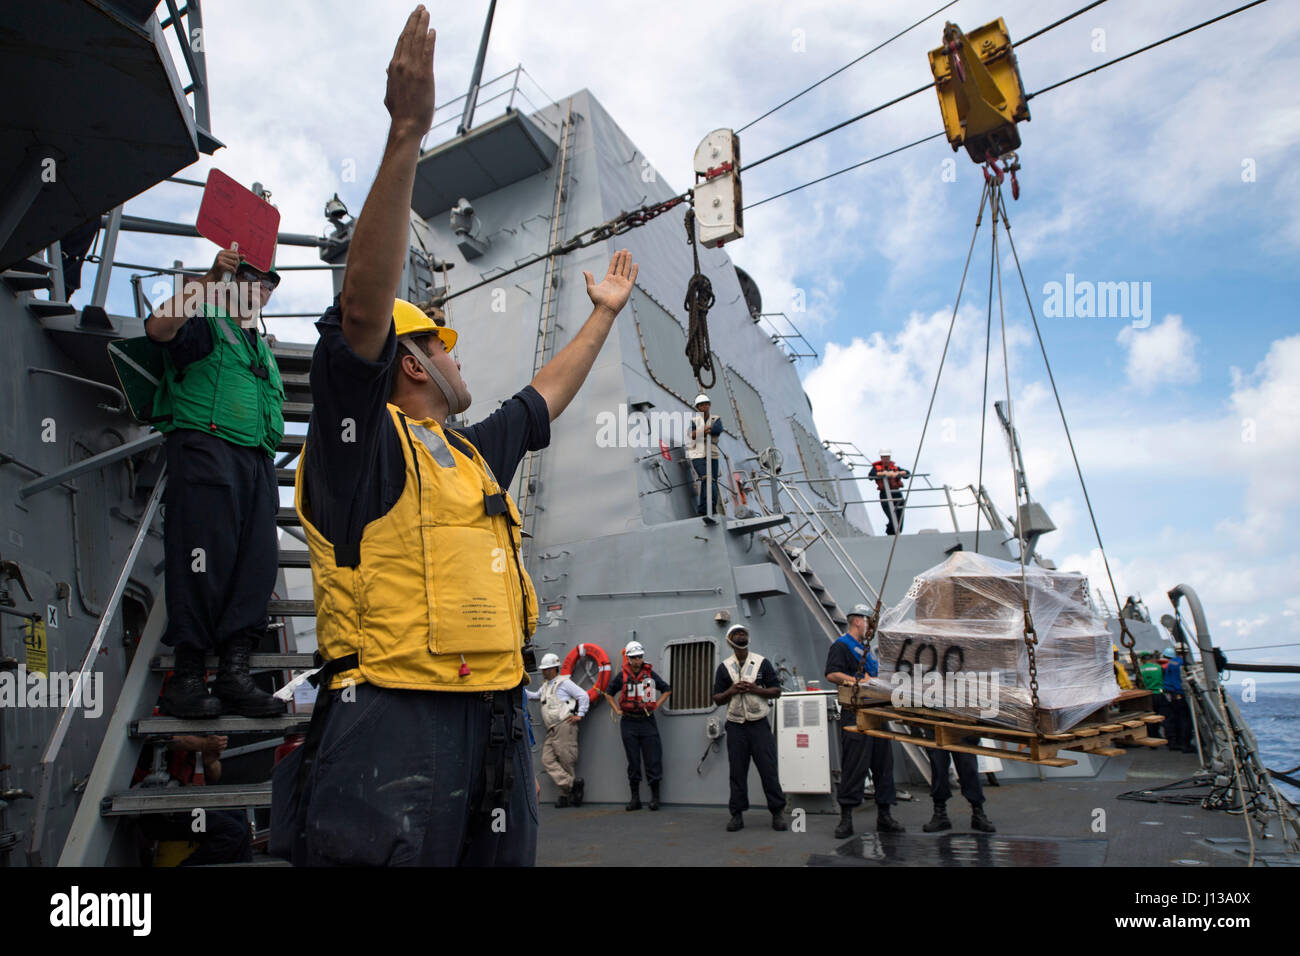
x: 1162, y: 355
x: 1233, y: 542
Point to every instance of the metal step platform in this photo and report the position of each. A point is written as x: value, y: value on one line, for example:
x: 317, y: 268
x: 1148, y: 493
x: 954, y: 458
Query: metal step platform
x: 265, y: 662
x: 279, y: 608
x: 232, y: 724
x: 173, y: 799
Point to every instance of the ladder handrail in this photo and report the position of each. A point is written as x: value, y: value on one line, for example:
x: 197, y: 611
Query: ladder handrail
x: 531, y: 466
x: 805, y: 508
x: 60, y: 731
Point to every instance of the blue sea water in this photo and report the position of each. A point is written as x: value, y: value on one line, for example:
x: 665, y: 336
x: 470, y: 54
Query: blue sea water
x: 1274, y: 716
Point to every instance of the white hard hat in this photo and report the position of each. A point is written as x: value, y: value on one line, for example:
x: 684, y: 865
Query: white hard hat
x: 634, y: 649
x: 859, y: 610
x: 550, y: 660
x: 731, y: 632
x: 885, y: 451
x: 701, y: 398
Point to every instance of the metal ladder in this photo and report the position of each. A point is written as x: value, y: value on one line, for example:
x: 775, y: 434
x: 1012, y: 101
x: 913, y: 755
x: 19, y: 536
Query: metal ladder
x: 108, y: 796
x: 530, y: 471
x: 789, y: 548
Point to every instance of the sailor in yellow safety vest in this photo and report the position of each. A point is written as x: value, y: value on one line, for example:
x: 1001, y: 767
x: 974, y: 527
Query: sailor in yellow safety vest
x: 423, y: 605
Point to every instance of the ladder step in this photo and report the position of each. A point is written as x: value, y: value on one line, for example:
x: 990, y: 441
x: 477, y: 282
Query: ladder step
x: 285, y: 477
x: 34, y: 264
x: 292, y: 442
x: 294, y: 559
x: 293, y: 358
x: 44, y: 310
x: 168, y: 799
x: 297, y: 411
x: 27, y: 281
x: 278, y: 608
x: 266, y: 662
x: 155, y: 726
x: 287, y: 516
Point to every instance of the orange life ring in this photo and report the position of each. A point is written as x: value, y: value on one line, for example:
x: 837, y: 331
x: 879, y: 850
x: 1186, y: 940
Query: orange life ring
x: 597, y: 654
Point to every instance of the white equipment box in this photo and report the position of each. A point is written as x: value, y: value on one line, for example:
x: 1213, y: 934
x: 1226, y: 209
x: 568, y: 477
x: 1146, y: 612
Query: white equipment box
x: 803, y: 751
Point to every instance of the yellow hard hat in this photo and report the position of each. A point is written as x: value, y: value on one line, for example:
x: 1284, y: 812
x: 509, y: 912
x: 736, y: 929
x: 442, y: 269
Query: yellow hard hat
x: 410, y: 319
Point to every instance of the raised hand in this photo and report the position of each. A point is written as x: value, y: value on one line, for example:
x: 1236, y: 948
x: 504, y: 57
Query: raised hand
x: 226, y: 262
x: 613, y: 291
x: 409, y: 97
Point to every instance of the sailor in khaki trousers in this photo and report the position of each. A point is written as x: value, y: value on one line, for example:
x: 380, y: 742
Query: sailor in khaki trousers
x: 564, y: 704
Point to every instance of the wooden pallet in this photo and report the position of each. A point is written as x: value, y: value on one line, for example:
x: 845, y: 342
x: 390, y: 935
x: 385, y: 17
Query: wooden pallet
x: 1123, y: 721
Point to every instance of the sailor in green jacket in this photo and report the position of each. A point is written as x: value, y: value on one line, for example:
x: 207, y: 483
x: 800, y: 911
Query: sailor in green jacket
x: 221, y: 405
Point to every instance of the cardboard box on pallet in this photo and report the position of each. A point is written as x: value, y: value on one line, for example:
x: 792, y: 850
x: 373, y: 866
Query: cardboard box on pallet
x: 956, y: 643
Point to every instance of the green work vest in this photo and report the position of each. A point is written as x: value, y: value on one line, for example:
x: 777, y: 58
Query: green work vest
x: 221, y: 393
x: 1153, y: 678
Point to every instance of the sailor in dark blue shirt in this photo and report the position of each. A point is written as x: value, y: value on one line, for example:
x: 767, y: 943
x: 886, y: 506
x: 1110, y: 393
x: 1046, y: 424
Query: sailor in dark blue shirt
x: 1178, y: 717
x: 848, y: 657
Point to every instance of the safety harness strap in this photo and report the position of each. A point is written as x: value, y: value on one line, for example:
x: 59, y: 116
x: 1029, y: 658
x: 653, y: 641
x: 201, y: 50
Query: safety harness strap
x: 316, y: 729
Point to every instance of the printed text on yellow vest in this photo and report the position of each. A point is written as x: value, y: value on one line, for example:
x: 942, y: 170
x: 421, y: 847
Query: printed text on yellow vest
x: 439, y: 577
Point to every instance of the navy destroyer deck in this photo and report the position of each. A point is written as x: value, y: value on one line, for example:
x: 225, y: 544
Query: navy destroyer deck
x: 1040, y: 823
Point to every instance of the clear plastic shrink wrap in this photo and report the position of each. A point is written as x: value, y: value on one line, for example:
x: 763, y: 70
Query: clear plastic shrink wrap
x: 957, y: 642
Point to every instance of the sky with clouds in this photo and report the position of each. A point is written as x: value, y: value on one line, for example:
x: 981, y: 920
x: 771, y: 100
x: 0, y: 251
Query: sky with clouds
x: 1167, y: 172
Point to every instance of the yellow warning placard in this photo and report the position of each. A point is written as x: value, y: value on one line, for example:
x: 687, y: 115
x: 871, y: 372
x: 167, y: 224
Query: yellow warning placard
x: 34, y: 641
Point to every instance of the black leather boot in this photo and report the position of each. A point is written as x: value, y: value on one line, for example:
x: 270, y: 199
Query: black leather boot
x: 575, y: 793
x: 561, y: 801
x: 778, y: 821
x: 979, y: 821
x: 846, y: 823
x: 654, y: 795
x: 737, y: 822
x: 238, y: 694
x: 885, y: 822
x: 187, y: 693
x: 939, y: 821
x: 635, y: 802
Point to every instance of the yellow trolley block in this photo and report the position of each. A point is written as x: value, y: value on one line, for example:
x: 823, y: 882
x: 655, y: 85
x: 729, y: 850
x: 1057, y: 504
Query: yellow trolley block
x: 981, y: 97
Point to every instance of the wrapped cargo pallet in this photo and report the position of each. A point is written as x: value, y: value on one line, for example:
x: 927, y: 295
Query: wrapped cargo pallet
x: 956, y: 643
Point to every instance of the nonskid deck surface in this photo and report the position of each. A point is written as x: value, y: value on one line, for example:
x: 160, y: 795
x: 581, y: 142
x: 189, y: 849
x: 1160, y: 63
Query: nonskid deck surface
x: 1039, y: 824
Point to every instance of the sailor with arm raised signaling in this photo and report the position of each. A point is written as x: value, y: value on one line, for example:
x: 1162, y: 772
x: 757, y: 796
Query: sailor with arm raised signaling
x: 423, y: 605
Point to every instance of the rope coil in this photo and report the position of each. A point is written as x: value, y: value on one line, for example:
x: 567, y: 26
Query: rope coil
x: 699, y: 299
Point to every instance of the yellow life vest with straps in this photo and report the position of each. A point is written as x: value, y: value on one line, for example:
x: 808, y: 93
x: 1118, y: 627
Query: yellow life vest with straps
x: 439, y: 599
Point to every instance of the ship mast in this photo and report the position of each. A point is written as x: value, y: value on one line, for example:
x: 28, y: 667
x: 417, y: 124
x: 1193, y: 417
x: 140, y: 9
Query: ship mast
x: 468, y: 116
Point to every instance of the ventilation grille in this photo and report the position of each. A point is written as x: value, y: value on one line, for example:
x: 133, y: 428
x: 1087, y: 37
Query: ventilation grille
x: 690, y: 671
